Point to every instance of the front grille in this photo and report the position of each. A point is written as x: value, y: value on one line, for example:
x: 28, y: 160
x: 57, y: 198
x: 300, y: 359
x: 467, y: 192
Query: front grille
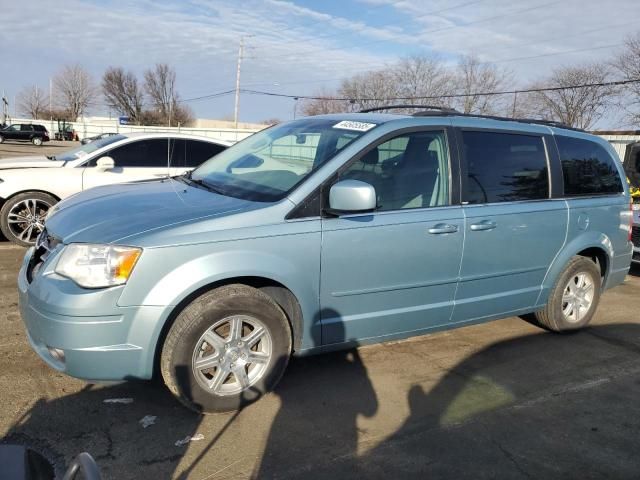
x: 635, y: 236
x: 45, y: 244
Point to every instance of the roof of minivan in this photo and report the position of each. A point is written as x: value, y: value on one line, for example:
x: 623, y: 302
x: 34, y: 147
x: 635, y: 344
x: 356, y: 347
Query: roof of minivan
x: 466, y: 120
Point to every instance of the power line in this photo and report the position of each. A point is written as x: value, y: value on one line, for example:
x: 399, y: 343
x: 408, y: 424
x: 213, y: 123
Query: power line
x: 456, y: 95
x: 504, y: 60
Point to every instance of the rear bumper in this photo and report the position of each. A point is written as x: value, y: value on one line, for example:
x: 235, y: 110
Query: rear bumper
x: 101, y: 342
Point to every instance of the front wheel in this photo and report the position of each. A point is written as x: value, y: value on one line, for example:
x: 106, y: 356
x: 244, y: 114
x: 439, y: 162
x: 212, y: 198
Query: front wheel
x: 36, y: 141
x: 22, y: 217
x: 574, y: 298
x: 226, y: 349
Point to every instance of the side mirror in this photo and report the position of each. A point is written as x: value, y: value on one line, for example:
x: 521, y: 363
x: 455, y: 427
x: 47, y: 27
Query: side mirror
x: 105, y: 163
x: 352, y: 196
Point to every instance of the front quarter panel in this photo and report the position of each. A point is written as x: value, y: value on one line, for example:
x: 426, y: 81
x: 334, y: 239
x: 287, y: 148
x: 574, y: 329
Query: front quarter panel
x: 288, y: 253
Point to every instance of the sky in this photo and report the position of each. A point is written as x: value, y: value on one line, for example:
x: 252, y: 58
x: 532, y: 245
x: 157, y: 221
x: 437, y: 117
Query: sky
x: 297, y: 47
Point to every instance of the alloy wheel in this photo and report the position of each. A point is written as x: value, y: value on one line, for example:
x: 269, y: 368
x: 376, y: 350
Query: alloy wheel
x: 26, y: 219
x: 232, y: 355
x: 577, y: 297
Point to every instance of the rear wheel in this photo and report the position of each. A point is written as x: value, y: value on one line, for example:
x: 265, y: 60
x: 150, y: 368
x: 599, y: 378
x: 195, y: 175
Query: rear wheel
x: 22, y: 217
x: 574, y: 298
x: 36, y: 141
x: 226, y: 349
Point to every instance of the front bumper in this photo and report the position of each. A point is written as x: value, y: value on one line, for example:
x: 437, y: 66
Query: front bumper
x: 100, y: 340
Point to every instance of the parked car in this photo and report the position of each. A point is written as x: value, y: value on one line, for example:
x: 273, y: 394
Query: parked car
x: 632, y: 170
x: 30, y: 186
x: 397, y: 226
x: 25, y: 132
x: 84, y: 141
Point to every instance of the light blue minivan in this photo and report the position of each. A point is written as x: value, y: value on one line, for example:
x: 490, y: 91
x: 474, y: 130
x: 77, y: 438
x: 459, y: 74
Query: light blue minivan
x: 320, y: 234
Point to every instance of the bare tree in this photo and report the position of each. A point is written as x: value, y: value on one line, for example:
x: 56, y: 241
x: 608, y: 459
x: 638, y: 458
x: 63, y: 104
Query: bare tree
x: 33, y: 102
x: 321, y: 105
x: 579, y: 107
x: 628, y: 64
x: 74, y: 89
x: 160, y: 84
x: 473, y: 77
x: 422, y: 76
x: 122, y: 92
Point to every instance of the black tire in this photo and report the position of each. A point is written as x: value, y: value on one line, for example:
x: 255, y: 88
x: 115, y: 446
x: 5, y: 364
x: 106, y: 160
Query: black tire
x: 552, y: 316
x: 184, y: 339
x: 37, y: 141
x: 44, y: 202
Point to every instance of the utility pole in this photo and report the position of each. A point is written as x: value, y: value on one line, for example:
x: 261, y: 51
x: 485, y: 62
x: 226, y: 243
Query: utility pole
x: 237, y: 104
x: 5, y: 107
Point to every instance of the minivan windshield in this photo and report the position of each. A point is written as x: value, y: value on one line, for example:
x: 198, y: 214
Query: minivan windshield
x: 83, y: 150
x: 268, y: 165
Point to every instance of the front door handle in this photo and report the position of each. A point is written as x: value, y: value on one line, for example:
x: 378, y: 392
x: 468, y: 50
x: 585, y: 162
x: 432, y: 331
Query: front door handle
x: 483, y: 225
x: 443, y: 228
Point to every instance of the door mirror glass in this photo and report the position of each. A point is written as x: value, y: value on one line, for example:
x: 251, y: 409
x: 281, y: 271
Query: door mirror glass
x: 352, y: 196
x: 105, y: 163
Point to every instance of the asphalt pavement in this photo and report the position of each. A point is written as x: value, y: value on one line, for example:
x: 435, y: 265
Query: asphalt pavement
x: 498, y: 400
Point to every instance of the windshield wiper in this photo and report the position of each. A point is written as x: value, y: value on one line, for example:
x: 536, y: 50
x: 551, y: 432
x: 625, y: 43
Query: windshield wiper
x: 186, y: 177
x: 208, y: 186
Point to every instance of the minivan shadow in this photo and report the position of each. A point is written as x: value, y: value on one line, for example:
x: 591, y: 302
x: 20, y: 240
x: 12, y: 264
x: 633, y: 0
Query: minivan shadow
x: 539, y: 405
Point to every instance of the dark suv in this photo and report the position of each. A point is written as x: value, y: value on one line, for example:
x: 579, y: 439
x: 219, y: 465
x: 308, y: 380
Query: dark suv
x: 35, y: 134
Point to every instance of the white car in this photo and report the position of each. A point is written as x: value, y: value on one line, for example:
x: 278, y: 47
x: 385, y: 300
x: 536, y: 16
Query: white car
x: 30, y: 186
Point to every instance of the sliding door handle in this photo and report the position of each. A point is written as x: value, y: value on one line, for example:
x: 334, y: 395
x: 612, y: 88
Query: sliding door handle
x: 441, y: 228
x: 483, y: 225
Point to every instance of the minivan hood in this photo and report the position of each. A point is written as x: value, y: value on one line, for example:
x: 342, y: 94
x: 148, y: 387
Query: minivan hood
x: 38, y: 161
x: 115, y: 212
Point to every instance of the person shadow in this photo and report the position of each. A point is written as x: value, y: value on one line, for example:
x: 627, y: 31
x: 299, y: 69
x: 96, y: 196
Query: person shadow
x: 108, y: 422
x: 321, y: 398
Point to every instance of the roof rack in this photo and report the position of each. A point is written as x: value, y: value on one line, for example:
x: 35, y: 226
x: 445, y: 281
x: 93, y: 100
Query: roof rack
x: 434, y: 108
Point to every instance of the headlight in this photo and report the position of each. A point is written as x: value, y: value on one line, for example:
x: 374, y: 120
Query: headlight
x: 95, y: 266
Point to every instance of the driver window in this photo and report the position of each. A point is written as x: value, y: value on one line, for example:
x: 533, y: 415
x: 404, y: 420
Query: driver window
x: 408, y: 171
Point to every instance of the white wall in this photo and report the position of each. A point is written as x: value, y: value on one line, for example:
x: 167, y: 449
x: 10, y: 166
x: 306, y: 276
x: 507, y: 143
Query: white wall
x: 84, y: 129
x: 620, y: 142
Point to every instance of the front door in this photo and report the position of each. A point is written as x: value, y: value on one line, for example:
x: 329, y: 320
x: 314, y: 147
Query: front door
x: 513, y: 230
x: 393, y: 271
x: 144, y: 159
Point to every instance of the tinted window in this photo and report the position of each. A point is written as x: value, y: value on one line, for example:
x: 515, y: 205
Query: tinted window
x: 39, y: 128
x: 504, y: 167
x: 26, y: 128
x: 141, y: 153
x: 198, y: 152
x: 409, y: 171
x: 587, y: 168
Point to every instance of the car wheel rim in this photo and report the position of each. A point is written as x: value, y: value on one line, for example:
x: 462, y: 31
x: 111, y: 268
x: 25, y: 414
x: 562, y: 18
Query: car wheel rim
x: 26, y: 219
x: 232, y: 355
x: 578, y: 297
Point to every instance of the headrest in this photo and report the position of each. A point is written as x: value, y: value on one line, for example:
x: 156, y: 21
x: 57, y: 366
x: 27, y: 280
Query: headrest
x: 371, y: 157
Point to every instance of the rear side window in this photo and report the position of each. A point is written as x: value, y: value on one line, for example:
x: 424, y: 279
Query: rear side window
x: 198, y: 152
x: 587, y: 168
x: 504, y: 167
x: 141, y: 153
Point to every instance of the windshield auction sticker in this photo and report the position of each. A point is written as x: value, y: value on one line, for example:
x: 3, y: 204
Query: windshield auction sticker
x: 357, y: 126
